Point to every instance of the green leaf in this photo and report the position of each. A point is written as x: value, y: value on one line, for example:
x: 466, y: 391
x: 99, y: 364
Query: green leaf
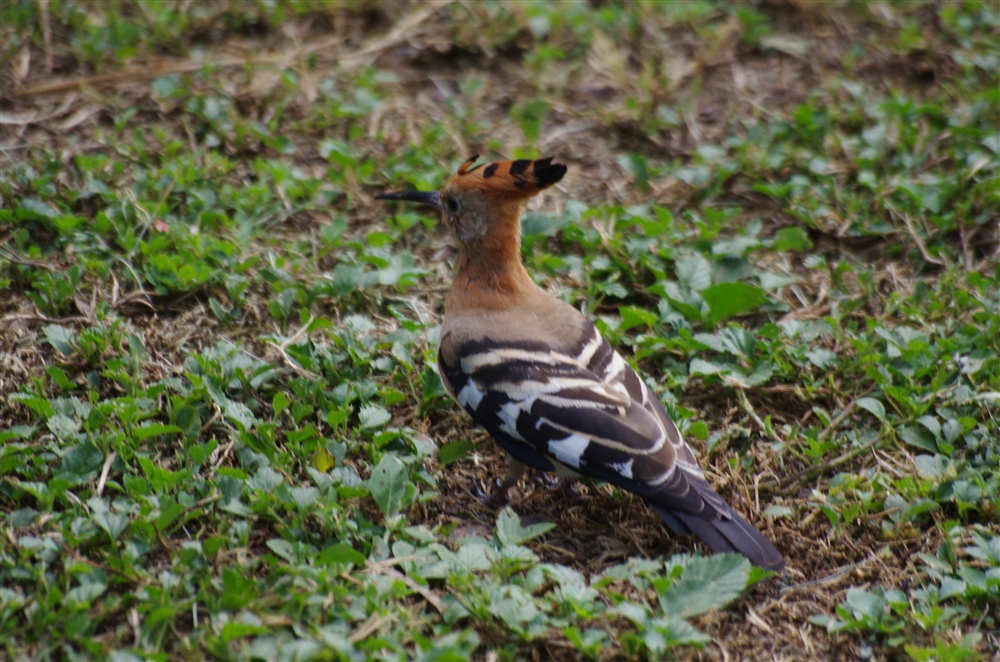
x: 63, y: 427
x: 304, y: 496
x: 154, y: 430
x: 345, y: 279
x: 279, y: 402
x: 726, y: 300
x: 873, y: 406
x: 633, y: 316
x: 341, y: 553
x: 234, y: 630
x: 335, y: 417
x: 929, y: 466
x: 698, y: 430
x: 822, y: 358
x: 431, y: 383
x: 703, y: 367
x: 918, y: 437
x: 265, y: 480
x: 678, y: 632
x: 282, y: 548
x: 791, y: 239
x: 952, y: 430
x: 454, y: 451
x: 694, y: 272
x: 165, y: 87
x: 239, y: 413
x: 692, y: 313
x: 235, y: 411
x: 40, y: 406
x: 82, y: 460
x: 541, y: 223
x: 612, y: 288
x: 529, y: 117
x: 706, y: 583
x: 32, y: 208
x: 113, y: 523
x: 60, y: 377
x: 169, y: 511
x: 373, y: 416
x: 388, y: 483
x: 337, y: 152
x: 84, y: 594
x: 635, y: 165
x: 862, y: 603
x: 511, y: 533
x: 60, y: 338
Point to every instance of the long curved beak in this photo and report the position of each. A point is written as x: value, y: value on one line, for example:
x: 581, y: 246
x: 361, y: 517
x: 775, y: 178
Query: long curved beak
x: 421, y: 197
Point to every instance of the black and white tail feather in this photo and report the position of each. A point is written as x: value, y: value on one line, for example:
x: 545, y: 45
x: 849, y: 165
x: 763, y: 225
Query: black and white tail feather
x: 586, y: 412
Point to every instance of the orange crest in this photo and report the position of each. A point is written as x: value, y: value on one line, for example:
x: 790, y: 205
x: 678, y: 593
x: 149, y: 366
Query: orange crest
x: 520, y: 178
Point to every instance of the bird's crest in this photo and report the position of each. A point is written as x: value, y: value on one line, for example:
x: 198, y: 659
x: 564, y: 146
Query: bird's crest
x: 521, y: 178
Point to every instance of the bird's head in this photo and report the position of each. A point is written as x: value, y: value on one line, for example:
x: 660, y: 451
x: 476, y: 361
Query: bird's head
x: 482, y: 204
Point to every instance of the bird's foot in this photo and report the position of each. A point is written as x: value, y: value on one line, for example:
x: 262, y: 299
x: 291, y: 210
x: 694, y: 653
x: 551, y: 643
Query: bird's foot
x: 569, y: 486
x: 547, y: 480
x: 500, y: 496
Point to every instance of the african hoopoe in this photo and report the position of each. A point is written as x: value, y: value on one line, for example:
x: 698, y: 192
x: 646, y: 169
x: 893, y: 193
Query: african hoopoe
x: 539, y: 377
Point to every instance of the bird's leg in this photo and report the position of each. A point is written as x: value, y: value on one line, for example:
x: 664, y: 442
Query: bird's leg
x: 500, y: 497
x: 569, y: 485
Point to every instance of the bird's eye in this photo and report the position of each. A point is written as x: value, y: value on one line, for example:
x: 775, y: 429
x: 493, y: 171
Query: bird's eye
x: 452, y: 205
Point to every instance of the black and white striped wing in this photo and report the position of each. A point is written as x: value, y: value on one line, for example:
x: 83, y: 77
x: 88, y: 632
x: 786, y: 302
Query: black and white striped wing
x: 554, y: 411
x: 590, y: 414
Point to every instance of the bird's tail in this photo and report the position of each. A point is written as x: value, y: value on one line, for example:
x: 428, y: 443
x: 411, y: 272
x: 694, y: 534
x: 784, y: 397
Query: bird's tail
x: 726, y: 534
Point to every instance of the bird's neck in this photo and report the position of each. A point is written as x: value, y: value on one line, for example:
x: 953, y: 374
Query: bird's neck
x: 489, y: 273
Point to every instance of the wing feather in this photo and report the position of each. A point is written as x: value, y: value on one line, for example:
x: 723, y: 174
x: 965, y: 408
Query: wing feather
x: 589, y: 411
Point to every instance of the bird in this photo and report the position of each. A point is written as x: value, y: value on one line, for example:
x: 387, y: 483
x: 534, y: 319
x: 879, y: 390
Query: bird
x: 538, y: 376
